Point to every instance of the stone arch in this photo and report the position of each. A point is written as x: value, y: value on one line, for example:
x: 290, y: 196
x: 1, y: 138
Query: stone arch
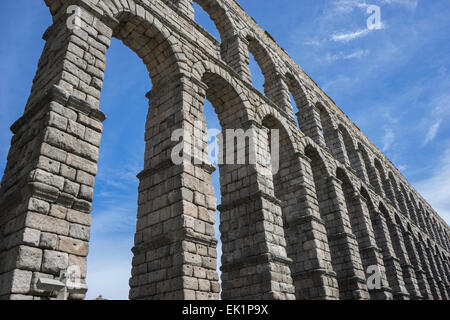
x: 70, y: 132
x: 220, y: 16
x: 241, y: 197
x: 428, y: 223
x: 354, y: 159
x: 419, y: 216
x: 409, y: 205
x: 264, y: 60
x: 388, y: 188
x: 397, y: 196
x: 374, y: 179
x: 328, y: 127
x: 274, y: 88
x: 301, y: 100
x: 424, y: 217
x: 267, y: 111
x: 368, y: 198
x: 156, y: 48
x: 297, y: 90
x: 232, y: 113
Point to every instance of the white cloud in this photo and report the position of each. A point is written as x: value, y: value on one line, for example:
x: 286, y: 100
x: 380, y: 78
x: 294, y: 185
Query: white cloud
x: 439, y: 114
x: 432, y: 132
x: 410, y: 4
x: 347, y: 6
x: 346, y: 37
x: 388, y: 138
x: 436, y: 188
x: 346, y: 56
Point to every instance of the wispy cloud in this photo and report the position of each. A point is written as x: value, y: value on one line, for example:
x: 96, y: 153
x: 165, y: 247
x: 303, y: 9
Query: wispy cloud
x: 358, y: 54
x: 346, y: 37
x: 432, y: 132
x: 436, y: 189
x: 439, y: 115
x: 410, y: 4
x: 388, y: 138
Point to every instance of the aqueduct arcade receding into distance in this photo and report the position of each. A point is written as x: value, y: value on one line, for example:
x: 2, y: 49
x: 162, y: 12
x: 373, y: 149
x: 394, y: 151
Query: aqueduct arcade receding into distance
x: 336, y: 207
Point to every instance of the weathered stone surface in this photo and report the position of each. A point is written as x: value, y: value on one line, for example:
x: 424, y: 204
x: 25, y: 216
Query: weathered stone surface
x: 335, y: 207
x: 73, y: 246
x: 55, y: 261
x: 48, y: 241
x: 29, y: 258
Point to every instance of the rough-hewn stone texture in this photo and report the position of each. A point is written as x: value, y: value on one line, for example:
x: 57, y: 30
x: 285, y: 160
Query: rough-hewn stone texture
x: 336, y: 207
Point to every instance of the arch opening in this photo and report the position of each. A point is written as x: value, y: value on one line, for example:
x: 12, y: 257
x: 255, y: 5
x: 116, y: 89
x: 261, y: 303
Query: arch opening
x: 115, y: 196
x: 264, y: 65
x: 297, y: 97
x: 204, y: 19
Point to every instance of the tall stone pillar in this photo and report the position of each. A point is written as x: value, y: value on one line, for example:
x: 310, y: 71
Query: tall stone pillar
x: 394, y: 271
x: 427, y: 267
x: 436, y: 274
x: 175, y: 253
x: 413, y: 211
x: 343, y: 244
x: 410, y: 207
x: 338, y: 147
x: 421, y: 220
x: 371, y: 254
x: 276, y: 89
x: 312, y: 270
x: 374, y: 178
x: 309, y: 118
x: 441, y: 269
x: 417, y: 265
x: 401, y: 201
x: 429, y: 227
x: 390, y: 193
x: 47, y: 189
x: 359, y: 165
x: 409, y: 275
x: 234, y: 50
x: 254, y: 261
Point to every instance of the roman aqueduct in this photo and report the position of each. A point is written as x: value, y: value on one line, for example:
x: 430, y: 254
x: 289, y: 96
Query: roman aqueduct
x: 336, y: 207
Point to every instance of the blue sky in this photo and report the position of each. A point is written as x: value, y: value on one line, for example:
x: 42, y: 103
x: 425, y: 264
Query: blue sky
x: 392, y: 82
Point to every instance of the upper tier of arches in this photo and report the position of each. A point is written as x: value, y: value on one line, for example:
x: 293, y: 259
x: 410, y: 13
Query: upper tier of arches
x: 321, y: 122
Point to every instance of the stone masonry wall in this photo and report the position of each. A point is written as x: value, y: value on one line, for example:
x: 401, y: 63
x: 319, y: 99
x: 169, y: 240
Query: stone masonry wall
x: 336, y: 209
